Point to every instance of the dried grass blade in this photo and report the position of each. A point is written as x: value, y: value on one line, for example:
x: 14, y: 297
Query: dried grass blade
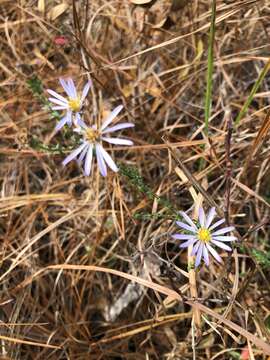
x: 254, y: 339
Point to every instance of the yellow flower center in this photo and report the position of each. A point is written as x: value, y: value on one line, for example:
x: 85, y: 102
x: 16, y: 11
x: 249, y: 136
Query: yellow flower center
x: 204, y: 235
x: 74, y: 104
x: 92, y: 135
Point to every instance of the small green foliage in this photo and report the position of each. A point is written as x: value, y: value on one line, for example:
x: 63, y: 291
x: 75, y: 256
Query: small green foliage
x: 235, y: 355
x: 210, y: 68
x: 36, y: 144
x: 191, y: 265
x: 267, y: 322
x: 148, y: 216
x: 262, y: 257
x: 137, y: 181
x: 35, y: 85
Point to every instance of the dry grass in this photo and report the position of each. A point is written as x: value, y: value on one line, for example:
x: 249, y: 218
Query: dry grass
x: 70, y: 245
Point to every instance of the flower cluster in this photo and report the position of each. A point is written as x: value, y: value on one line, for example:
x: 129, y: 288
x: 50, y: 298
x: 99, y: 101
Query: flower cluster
x: 92, y: 137
x: 202, y: 236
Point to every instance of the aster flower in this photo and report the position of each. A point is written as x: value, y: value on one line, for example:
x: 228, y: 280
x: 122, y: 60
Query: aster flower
x: 202, y: 236
x: 93, y: 138
x: 72, y: 104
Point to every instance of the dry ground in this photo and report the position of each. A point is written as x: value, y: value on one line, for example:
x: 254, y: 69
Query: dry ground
x: 153, y: 59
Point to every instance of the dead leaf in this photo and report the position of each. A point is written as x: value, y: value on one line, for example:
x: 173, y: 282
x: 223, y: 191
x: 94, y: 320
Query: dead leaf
x: 57, y: 10
x: 199, y: 50
x: 41, y: 6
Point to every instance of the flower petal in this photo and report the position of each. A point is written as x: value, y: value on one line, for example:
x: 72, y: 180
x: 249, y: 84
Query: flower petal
x: 58, y: 102
x: 74, y: 153
x: 214, y: 253
x: 188, y: 220
x: 88, y: 160
x: 77, y: 121
x: 111, y: 116
x: 65, y: 86
x: 81, y: 123
x: 195, y: 249
x: 216, y: 224
x: 186, y: 227
x: 60, y: 124
x: 117, y: 141
x: 205, y: 255
x: 72, y: 88
x: 69, y: 118
x: 221, y: 245
x: 224, y: 238
x: 100, y: 161
x: 82, y: 155
x: 59, y: 107
x: 108, y: 159
x: 210, y: 217
x: 57, y: 96
x: 199, y: 255
x: 183, y: 237
x: 224, y: 230
x: 118, y: 127
x: 188, y: 243
x: 201, y: 217
x: 85, y: 90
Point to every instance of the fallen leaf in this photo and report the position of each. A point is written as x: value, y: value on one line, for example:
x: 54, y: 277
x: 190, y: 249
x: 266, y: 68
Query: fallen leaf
x: 57, y: 10
x: 41, y: 6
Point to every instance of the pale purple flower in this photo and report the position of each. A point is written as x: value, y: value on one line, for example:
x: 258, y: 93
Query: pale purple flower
x: 72, y: 104
x: 92, y: 140
x: 203, y: 236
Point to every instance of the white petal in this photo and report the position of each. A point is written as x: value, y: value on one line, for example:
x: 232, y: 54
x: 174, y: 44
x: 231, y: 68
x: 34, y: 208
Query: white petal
x: 201, y: 217
x: 118, y: 127
x: 199, y: 255
x: 88, y: 160
x: 82, y: 156
x: 58, y: 102
x: 221, y: 245
x: 110, y: 117
x: 60, y: 107
x: 224, y: 238
x: 69, y: 118
x: 100, y: 161
x: 183, y: 236
x: 210, y: 217
x: 74, y: 153
x: 57, y: 96
x: 216, y: 224
x: 77, y: 119
x: 108, y: 159
x: 61, y: 123
x: 186, y: 227
x: 117, y: 141
x: 205, y: 255
x: 85, y: 90
x: 188, y: 243
x: 214, y: 253
x: 188, y: 220
x: 224, y: 230
x: 195, y: 249
x: 72, y: 88
x: 80, y: 122
x: 65, y: 86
